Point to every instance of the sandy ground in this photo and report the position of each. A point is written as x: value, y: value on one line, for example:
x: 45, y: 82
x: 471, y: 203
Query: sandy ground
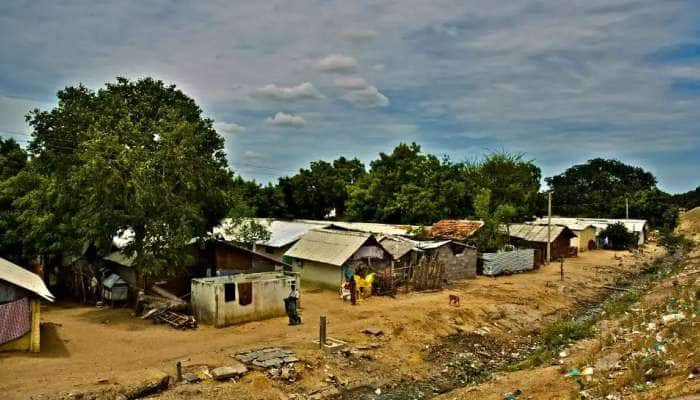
x: 682, y: 354
x: 84, y: 345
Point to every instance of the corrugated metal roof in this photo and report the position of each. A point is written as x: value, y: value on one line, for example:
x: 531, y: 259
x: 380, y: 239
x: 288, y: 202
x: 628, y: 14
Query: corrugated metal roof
x: 379, y: 229
x: 397, y: 247
x: 113, y: 280
x: 282, y: 233
x: 632, y: 225
x: 328, y: 246
x: 23, y: 278
x: 434, y: 244
x: 455, y: 229
x: 535, y: 233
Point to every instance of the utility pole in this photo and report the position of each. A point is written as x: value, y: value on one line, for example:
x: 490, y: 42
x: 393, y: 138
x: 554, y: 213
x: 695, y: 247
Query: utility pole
x: 549, y: 225
x: 627, y: 208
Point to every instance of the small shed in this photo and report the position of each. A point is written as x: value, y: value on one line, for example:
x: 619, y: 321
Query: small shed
x: 227, y: 300
x: 458, y: 258
x: 535, y: 237
x: 114, y: 289
x: 320, y: 255
x: 21, y: 292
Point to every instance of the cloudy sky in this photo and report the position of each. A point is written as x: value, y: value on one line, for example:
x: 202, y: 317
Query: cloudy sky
x: 290, y: 82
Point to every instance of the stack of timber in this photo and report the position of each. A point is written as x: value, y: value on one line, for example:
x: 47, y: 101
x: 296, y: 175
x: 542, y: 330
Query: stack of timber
x: 165, y: 308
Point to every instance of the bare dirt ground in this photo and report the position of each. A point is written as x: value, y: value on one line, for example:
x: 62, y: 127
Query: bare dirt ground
x: 634, y: 355
x: 89, y: 348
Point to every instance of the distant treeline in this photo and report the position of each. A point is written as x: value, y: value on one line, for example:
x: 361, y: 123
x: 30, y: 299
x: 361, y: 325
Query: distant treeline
x: 139, y: 155
x: 411, y: 187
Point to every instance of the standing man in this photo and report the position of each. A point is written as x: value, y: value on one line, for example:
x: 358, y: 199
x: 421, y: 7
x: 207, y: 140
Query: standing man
x: 290, y: 305
x: 352, y: 285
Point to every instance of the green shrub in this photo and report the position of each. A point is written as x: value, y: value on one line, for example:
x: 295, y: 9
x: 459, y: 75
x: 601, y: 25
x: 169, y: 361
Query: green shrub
x: 564, y: 332
x: 670, y: 240
x: 619, y: 237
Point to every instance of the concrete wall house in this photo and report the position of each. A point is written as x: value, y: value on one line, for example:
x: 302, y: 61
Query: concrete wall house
x: 320, y: 255
x: 227, y: 300
x: 21, y: 292
x: 535, y: 237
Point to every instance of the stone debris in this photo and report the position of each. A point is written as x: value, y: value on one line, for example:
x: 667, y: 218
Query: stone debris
x: 608, y: 362
x: 373, y: 331
x: 190, y: 377
x: 278, y: 362
x: 228, y: 372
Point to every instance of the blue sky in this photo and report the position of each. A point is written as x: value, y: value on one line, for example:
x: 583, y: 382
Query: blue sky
x: 288, y: 82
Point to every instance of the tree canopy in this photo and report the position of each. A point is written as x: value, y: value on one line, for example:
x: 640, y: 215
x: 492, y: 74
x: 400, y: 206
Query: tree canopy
x: 134, y: 155
x: 599, y: 188
x: 408, y: 186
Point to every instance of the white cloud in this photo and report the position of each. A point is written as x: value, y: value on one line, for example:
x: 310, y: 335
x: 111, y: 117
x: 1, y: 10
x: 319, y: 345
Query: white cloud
x: 350, y: 82
x: 286, y: 120
x: 367, y: 97
x: 337, y: 63
x: 229, y: 127
x: 304, y: 90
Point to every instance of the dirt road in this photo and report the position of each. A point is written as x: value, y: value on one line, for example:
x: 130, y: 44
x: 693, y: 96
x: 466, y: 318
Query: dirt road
x: 82, y: 346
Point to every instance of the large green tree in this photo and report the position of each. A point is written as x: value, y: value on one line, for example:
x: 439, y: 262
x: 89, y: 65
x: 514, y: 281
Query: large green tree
x: 408, y: 186
x: 134, y: 155
x: 320, y: 189
x: 600, y: 188
x: 510, y: 179
x: 13, y: 161
x: 689, y: 199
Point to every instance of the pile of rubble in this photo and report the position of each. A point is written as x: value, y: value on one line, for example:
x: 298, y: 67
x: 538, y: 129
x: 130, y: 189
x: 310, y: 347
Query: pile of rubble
x: 279, y: 363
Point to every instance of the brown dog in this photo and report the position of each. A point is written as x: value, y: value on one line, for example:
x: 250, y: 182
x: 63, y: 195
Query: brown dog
x: 454, y: 300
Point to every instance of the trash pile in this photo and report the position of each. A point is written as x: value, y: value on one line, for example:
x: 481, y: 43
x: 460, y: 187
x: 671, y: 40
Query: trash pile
x: 653, y: 339
x: 279, y: 363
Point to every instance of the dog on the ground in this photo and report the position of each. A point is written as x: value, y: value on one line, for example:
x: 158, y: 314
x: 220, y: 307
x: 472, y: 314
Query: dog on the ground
x: 454, y: 300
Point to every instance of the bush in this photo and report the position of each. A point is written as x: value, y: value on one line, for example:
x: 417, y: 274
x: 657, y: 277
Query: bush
x: 670, y: 240
x: 619, y: 237
x: 564, y: 332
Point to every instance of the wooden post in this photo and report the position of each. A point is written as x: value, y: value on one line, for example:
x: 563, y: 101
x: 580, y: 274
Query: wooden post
x: 549, y: 226
x: 179, y: 371
x: 322, y: 332
x: 561, y: 267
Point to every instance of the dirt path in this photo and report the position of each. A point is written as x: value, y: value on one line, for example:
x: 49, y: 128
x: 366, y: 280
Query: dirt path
x: 83, y: 345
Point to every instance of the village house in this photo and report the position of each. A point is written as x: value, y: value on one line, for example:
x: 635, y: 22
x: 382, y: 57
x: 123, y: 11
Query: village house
x: 459, y: 259
x: 227, y: 300
x: 640, y: 227
x: 320, y: 255
x: 585, y: 234
x: 535, y: 237
x: 107, y: 278
x: 21, y: 292
x: 283, y: 234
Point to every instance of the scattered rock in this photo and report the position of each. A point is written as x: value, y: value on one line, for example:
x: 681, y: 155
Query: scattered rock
x: 227, y: 372
x: 373, y: 330
x: 608, y: 362
x: 189, y: 377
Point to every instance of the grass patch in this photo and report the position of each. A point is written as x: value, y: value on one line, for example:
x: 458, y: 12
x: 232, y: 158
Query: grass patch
x: 621, y: 304
x: 564, y: 332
